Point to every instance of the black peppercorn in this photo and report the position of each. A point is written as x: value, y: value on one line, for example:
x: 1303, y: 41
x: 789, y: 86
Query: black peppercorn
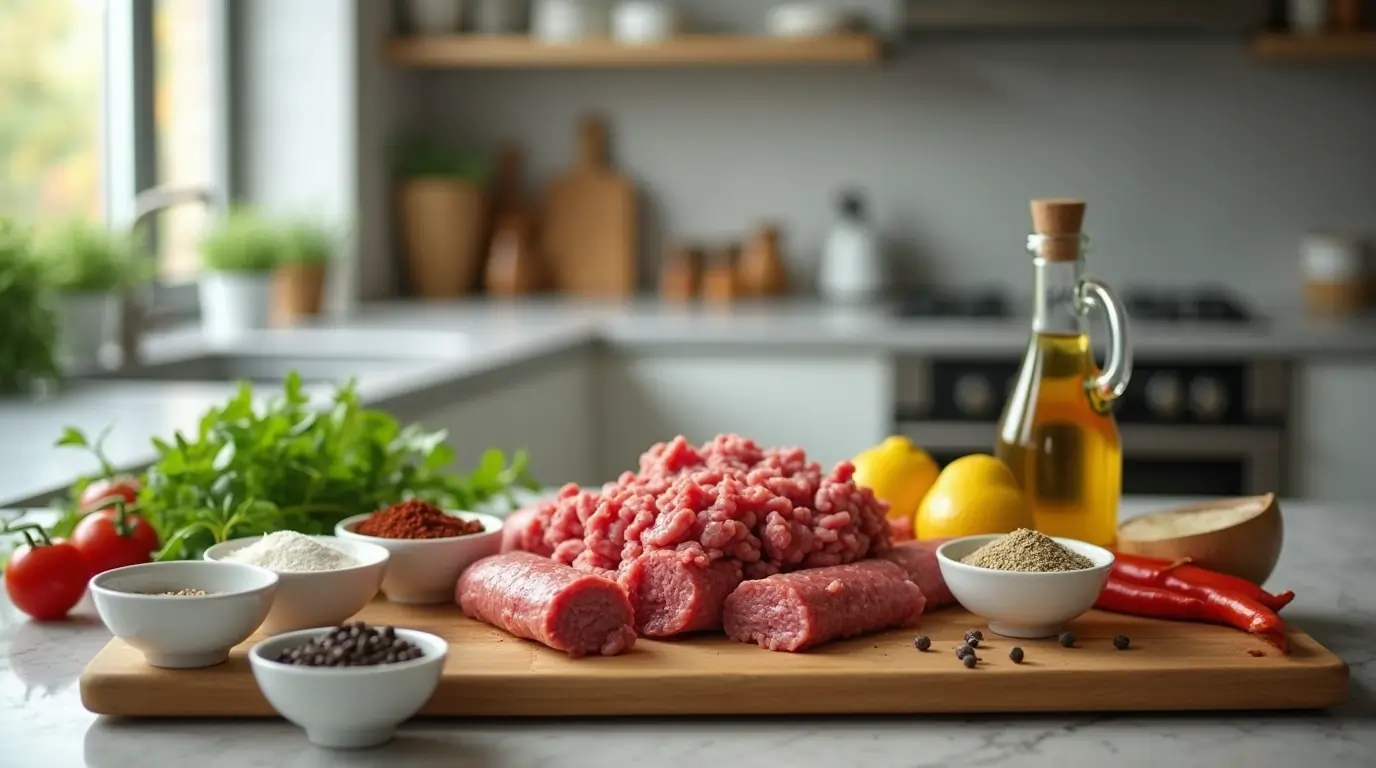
x: 975, y: 633
x: 1067, y: 639
x: 1015, y: 655
x: 352, y: 645
x: 963, y: 651
x: 970, y: 661
x: 1121, y: 642
x: 972, y: 641
x: 922, y: 643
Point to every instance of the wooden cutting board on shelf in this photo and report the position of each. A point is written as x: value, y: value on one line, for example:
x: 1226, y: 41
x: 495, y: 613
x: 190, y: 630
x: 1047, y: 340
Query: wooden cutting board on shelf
x: 1171, y: 666
x: 588, y: 223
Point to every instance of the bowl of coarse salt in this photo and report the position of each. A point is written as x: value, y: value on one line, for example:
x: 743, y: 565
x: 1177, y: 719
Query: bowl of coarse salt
x: 1026, y: 584
x: 322, y: 580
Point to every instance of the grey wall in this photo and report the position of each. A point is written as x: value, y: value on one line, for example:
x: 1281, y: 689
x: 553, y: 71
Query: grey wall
x: 1199, y: 163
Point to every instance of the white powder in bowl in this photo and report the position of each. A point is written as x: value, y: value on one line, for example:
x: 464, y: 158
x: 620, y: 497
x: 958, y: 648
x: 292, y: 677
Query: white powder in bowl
x: 292, y: 551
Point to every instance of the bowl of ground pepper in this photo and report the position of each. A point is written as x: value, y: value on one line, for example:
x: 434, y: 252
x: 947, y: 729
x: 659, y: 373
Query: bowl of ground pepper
x: 429, y: 547
x: 1026, y: 584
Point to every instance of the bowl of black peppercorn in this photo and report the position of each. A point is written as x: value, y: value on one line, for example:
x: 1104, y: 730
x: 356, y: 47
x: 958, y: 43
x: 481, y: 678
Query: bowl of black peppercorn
x: 349, y: 686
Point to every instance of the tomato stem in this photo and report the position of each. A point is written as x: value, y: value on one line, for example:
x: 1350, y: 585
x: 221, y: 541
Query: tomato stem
x: 26, y: 530
x: 123, y: 527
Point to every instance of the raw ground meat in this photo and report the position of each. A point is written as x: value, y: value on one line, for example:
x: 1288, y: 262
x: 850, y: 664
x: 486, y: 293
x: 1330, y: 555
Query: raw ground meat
x: 901, y: 529
x: 769, y: 510
x: 794, y: 611
x: 536, y: 598
x: 514, y: 529
x: 918, y: 559
x: 673, y: 593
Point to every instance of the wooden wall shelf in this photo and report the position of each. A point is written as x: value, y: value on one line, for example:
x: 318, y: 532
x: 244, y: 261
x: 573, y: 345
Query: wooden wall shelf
x: 522, y: 52
x: 1336, y: 47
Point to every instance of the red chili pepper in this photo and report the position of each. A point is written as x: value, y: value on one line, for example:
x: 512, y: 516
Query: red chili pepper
x: 1158, y: 603
x: 1192, y: 580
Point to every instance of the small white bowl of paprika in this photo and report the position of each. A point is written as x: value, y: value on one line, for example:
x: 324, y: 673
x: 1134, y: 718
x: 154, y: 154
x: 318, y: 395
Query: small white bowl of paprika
x: 429, y: 547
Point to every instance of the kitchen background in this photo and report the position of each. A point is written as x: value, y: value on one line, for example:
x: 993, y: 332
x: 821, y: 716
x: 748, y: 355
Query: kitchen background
x: 1209, y: 139
x: 1203, y: 162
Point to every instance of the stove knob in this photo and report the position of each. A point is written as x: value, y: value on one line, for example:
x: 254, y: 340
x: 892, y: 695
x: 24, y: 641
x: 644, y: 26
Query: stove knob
x: 1208, y: 398
x: 973, y: 394
x: 1165, y: 396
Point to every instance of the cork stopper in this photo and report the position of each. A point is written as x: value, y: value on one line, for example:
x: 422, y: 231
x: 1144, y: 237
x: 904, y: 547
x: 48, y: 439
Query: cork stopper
x: 1059, y: 220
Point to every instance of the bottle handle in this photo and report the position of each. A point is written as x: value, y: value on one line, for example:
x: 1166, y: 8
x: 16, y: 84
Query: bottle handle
x: 1112, y: 381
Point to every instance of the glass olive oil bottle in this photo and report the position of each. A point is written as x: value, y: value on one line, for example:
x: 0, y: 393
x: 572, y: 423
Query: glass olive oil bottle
x: 1057, y: 433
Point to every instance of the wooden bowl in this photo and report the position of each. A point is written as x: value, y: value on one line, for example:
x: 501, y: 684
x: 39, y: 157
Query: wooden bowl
x: 1241, y: 536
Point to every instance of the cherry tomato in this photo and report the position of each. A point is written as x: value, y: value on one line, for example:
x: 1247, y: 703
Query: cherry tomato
x: 125, y: 489
x: 46, y: 579
x: 107, y: 541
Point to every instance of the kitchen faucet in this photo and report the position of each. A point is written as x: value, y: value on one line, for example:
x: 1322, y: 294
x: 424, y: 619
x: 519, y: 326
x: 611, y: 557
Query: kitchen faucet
x: 148, y: 204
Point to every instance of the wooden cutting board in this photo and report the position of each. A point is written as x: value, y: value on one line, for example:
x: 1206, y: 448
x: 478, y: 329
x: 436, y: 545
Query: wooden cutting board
x: 588, y: 224
x: 1170, y: 666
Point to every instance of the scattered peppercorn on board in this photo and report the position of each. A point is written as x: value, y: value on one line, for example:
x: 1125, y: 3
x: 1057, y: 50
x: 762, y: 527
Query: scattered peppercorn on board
x: 1169, y: 666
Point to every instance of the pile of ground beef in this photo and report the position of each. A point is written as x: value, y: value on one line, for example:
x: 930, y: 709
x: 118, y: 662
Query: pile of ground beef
x: 771, y: 510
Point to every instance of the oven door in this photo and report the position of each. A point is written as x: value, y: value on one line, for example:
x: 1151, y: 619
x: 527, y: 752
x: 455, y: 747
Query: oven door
x: 1158, y: 460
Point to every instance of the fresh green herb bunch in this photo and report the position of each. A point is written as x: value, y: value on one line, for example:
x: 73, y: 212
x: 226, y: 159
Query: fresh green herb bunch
x: 306, y: 242
x: 28, y: 327
x: 83, y: 256
x: 426, y: 158
x: 289, y: 464
x: 243, y: 241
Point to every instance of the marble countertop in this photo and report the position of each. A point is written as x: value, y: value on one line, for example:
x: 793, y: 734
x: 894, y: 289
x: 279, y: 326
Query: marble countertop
x: 1327, y: 560
x: 461, y: 342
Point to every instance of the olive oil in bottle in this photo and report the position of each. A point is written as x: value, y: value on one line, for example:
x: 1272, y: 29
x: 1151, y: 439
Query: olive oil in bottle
x: 1057, y: 433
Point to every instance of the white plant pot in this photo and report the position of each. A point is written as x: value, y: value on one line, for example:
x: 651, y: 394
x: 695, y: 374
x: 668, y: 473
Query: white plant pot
x: 435, y: 17
x: 234, y: 302
x: 85, y: 321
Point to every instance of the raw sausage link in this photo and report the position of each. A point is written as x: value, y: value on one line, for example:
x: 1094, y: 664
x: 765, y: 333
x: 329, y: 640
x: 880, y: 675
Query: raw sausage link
x: 538, y: 599
x: 794, y: 611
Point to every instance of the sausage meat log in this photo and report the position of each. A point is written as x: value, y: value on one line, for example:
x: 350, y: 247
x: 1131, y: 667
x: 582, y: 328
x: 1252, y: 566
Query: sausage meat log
x: 795, y: 611
x: 918, y: 560
x: 549, y: 602
x: 673, y: 592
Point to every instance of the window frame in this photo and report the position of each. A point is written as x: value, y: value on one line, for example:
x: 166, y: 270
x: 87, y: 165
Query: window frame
x: 130, y: 140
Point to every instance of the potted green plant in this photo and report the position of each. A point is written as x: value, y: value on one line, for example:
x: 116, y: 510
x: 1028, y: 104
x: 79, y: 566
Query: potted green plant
x: 28, y: 325
x: 238, y: 256
x: 441, y: 211
x: 299, y: 282
x: 87, y: 265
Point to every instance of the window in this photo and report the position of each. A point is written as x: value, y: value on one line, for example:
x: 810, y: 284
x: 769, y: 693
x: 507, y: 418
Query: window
x: 51, y: 81
x: 103, y: 99
x: 185, y: 120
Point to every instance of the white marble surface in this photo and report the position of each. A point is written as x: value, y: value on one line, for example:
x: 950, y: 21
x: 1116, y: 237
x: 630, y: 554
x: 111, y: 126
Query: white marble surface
x: 472, y: 338
x: 1329, y: 559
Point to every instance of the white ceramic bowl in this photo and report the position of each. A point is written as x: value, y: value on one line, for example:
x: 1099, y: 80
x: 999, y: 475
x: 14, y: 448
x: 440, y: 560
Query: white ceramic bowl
x: 1025, y: 605
x: 348, y: 707
x: 426, y: 571
x: 184, y: 632
x: 318, y: 598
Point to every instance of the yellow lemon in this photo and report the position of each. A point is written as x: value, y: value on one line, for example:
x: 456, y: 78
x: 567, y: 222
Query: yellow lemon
x: 898, y: 472
x: 975, y: 494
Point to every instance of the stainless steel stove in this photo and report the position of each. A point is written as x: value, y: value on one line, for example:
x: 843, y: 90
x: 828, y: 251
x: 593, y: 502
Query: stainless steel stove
x: 1189, y: 428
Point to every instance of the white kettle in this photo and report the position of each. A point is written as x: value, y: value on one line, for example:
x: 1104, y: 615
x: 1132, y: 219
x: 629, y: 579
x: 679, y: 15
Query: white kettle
x: 853, y: 268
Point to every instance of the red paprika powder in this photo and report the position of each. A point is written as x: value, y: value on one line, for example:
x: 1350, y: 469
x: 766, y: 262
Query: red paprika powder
x: 416, y: 520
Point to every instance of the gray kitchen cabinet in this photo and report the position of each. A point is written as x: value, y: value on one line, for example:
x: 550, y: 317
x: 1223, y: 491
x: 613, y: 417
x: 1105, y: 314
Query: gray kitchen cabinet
x: 1337, y: 427
x: 545, y: 409
x: 832, y: 405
